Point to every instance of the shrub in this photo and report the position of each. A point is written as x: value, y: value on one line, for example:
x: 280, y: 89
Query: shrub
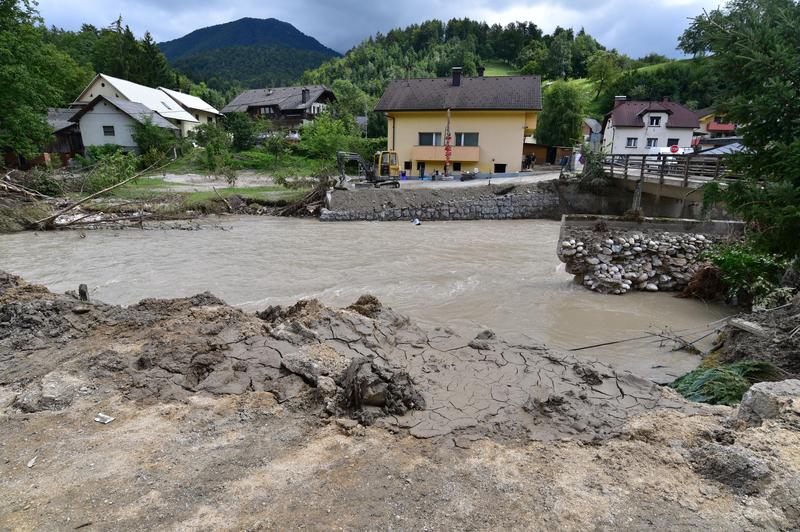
x: 110, y: 170
x: 594, y: 177
x: 155, y: 142
x: 747, y: 273
x: 724, y: 385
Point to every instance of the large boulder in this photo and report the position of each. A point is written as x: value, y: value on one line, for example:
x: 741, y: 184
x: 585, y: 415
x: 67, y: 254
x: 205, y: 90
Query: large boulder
x: 769, y: 400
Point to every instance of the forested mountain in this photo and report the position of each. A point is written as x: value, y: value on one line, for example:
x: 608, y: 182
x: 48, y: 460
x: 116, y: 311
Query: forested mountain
x: 252, y: 52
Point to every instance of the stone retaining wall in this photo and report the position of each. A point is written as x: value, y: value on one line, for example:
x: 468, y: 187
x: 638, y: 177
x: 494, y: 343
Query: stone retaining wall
x: 469, y: 203
x: 617, y: 261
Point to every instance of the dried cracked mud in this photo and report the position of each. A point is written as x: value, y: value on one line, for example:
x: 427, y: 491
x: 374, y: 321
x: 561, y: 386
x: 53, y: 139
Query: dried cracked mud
x: 308, y: 416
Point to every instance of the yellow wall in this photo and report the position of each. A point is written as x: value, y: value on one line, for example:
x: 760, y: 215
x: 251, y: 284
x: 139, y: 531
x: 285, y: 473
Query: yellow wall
x: 501, y: 136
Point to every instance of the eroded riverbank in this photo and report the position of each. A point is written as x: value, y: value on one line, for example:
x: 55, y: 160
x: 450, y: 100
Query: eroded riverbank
x: 309, y: 416
x: 501, y: 275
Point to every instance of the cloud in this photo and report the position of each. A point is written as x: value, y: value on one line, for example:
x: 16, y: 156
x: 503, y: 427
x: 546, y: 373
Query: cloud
x: 632, y: 26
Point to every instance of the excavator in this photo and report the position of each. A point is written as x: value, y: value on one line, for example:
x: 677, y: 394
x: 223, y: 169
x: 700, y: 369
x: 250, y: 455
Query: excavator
x: 383, y: 171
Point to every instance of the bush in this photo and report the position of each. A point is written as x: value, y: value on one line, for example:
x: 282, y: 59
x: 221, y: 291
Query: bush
x: 594, y: 177
x: 156, y: 143
x: 724, y: 385
x: 92, y: 154
x: 110, y: 170
x: 747, y: 273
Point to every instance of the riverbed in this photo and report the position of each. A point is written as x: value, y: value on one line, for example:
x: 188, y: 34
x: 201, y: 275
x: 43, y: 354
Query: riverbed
x: 501, y: 275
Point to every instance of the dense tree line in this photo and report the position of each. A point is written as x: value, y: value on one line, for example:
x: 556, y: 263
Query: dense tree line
x: 433, y: 47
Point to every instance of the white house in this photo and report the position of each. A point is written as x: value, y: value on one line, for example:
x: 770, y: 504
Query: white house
x: 156, y: 100
x: 107, y: 120
x: 637, y: 127
x: 197, y: 107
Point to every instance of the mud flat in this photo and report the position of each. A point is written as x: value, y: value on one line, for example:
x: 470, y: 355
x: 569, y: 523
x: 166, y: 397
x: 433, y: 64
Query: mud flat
x: 308, y: 416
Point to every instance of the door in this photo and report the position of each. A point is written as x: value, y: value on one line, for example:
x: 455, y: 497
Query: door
x: 421, y: 169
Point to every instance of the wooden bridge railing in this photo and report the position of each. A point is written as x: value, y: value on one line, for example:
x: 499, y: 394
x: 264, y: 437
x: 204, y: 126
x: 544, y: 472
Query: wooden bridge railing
x: 677, y: 169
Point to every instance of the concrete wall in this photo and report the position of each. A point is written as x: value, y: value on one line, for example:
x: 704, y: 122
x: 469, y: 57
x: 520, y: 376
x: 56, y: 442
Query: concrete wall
x: 501, y: 135
x: 105, y: 114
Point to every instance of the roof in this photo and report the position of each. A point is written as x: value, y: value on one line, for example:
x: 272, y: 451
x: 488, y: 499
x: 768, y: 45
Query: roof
x: 714, y: 127
x: 285, y: 98
x: 630, y: 113
x: 153, y: 99
x: 135, y: 110
x: 725, y: 150
x: 60, y: 118
x: 479, y: 93
x: 190, y: 102
x: 704, y: 112
x: 593, y: 125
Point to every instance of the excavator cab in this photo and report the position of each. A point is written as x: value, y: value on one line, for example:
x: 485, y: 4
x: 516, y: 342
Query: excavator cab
x: 386, y: 164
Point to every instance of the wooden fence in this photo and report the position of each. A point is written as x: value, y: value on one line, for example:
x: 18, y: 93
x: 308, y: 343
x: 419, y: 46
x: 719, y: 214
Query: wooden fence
x: 680, y: 170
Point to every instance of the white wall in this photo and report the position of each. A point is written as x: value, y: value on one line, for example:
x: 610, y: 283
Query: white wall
x: 105, y: 114
x: 202, y: 116
x: 615, y: 139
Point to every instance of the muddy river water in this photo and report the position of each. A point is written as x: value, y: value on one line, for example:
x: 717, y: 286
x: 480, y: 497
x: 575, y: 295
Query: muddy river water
x: 502, y: 275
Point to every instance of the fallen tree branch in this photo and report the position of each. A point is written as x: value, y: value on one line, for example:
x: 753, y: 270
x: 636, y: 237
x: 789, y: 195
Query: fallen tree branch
x: 48, y: 223
x: 228, y: 205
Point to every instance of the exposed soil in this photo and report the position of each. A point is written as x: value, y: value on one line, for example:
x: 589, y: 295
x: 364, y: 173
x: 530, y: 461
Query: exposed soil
x: 780, y: 343
x: 307, y: 416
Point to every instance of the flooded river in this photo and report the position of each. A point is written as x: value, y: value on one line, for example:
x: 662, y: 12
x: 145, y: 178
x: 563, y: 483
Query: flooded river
x: 502, y: 275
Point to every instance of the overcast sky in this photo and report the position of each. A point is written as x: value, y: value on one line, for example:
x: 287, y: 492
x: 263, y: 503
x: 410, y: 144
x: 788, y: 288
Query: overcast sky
x: 635, y: 27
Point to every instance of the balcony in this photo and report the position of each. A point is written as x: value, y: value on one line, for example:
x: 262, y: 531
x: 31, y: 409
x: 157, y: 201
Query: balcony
x: 436, y: 153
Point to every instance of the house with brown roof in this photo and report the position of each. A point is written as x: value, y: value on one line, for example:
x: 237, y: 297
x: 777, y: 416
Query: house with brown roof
x: 487, y: 119
x: 715, y: 129
x: 640, y: 127
x: 285, y: 107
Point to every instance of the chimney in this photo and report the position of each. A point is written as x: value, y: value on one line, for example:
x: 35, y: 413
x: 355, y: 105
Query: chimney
x: 456, y: 76
x: 481, y: 70
x: 667, y: 99
x: 305, y: 94
x: 619, y: 100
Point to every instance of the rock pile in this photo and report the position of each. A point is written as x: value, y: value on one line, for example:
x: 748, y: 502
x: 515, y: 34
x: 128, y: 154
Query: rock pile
x: 617, y: 261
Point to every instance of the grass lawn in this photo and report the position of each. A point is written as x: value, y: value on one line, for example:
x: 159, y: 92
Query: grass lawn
x: 497, y: 67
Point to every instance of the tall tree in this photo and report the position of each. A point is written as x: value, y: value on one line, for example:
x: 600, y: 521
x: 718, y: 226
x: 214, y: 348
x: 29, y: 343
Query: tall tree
x: 559, y: 122
x: 33, y: 75
x: 754, y: 46
x: 604, y: 68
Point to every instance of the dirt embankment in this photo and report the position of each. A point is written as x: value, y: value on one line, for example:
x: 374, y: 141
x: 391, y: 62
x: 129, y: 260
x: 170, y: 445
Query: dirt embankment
x: 356, y: 418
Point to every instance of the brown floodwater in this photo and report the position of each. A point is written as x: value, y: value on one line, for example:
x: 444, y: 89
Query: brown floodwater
x: 502, y: 275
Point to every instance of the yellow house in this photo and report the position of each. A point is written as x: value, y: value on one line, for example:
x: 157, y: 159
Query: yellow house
x: 489, y: 120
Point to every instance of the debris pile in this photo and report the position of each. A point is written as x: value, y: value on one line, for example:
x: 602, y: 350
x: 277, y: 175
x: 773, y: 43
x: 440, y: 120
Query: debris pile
x: 619, y: 261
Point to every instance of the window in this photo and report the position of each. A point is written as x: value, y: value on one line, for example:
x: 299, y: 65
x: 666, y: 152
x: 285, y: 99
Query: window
x: 197, y: 117
x: 499, y: 169
x: 210, y: 119
x: 466, y: 139
x: 430, y: 139
x: 632, y: 142
x: 456, y: 167
x: 719, y: 120
x: 673, y: 142
x: 652, y: 143
x: 108, y: 131
x: 655, y: 120
x: 407, y: 166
